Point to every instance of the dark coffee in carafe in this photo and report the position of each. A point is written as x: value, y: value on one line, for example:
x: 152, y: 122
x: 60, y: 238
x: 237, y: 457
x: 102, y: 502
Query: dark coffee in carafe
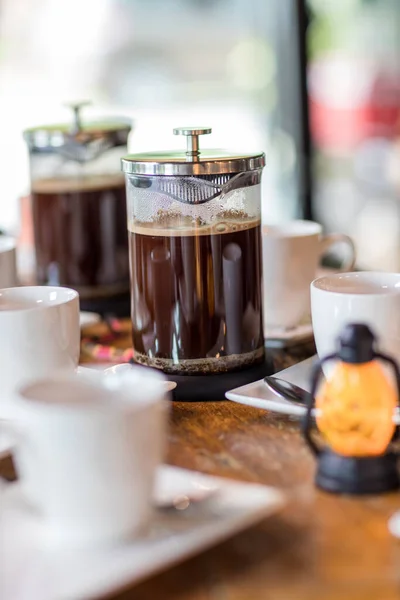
x: 197, y: 297
x: 80, y: 233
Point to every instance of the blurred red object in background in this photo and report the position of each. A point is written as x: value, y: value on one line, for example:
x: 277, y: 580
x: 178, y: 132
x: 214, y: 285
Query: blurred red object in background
x: 351, y: 100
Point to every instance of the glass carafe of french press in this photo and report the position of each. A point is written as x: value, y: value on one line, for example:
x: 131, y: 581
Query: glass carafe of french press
x: 79, y: 209
x: 194, y: 221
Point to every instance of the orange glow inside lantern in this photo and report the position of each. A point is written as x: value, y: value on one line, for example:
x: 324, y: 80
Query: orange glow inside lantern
x: 355, y: 409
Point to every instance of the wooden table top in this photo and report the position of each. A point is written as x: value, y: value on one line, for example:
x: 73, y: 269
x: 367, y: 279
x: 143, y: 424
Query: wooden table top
x: 319, y: 546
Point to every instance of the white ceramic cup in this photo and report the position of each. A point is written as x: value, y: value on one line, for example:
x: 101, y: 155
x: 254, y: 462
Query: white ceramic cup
x: 8, y: 262
x: 39, y: 334
x: 365, y: 297
x: 88, y: 451
x: 291, y: 255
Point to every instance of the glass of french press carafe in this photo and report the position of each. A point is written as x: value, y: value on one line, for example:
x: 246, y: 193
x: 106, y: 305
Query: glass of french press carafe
x: 79, y: 209
x: 194, y: 223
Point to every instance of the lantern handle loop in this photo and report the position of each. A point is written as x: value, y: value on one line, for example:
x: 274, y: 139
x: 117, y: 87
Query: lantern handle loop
x: 393, y: 364
x: 307, y: 419
x: 395, y: 367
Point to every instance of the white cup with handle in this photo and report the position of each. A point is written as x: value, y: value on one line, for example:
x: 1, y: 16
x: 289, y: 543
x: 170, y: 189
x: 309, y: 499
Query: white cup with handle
x: 292, y: 253
x: 8, y: 262
x: 366, y: 297
x: 40, y: 334
x: 87, y: 454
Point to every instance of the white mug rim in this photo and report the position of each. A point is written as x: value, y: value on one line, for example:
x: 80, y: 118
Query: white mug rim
x: 101, y: 386
x: 373, y: 276
x: 298, y: 228
x: 21, y: 293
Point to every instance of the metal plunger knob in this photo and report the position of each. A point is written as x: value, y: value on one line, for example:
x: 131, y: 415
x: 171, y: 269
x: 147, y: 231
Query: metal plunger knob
x: 76, y: 107
x: 192, y: 139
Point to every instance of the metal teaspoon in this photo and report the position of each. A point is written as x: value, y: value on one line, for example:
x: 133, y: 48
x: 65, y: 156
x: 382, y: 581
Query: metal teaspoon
x: 288, y: 391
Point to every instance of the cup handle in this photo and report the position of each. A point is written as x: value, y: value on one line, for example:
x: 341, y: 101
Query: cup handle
x: 15, y: 436
x: 331, y: 239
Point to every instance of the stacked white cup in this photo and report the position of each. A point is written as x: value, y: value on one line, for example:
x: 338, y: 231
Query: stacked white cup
x: 86, y: 448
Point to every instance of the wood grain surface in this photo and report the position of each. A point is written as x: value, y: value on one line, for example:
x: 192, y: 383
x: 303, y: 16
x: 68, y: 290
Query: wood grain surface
x: 319, y: 547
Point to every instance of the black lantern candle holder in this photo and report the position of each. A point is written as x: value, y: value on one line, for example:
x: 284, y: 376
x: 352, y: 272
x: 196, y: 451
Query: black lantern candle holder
x: 354, y: 414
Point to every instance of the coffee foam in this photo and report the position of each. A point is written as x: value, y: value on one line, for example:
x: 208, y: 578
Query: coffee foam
x: 183, y: 228
x: 84, y: 183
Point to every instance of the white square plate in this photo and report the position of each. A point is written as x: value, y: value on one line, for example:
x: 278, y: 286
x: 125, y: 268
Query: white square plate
x: 29, y: 570
x: 259, y: 395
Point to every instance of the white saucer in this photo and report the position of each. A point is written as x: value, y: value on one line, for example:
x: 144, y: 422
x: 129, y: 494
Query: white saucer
x: 88, y: 318
x: 259, y: 395
x: 174, y: 485
x: 126, y: 367
x: 30, y: 569
x: 283, y: 338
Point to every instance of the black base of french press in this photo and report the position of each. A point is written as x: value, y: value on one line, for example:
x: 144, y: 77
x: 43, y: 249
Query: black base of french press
x: 357, y: 475
x: 200, y: 388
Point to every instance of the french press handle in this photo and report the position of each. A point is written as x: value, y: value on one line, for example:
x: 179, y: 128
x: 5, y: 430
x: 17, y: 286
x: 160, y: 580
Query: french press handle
x: 192, y: 139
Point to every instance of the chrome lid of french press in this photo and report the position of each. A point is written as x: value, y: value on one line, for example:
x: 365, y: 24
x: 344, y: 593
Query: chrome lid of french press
x: 193, y: 161
x: 79, y: 140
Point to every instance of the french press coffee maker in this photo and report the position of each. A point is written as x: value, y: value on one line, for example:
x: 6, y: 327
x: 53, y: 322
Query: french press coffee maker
x: 79, y: 209
x: 194, y: 222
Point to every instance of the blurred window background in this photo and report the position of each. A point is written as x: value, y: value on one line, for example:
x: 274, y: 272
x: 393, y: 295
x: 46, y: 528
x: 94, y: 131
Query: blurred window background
x: 238, y: 66
x: 354, y: 99
x: 230, y: 64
